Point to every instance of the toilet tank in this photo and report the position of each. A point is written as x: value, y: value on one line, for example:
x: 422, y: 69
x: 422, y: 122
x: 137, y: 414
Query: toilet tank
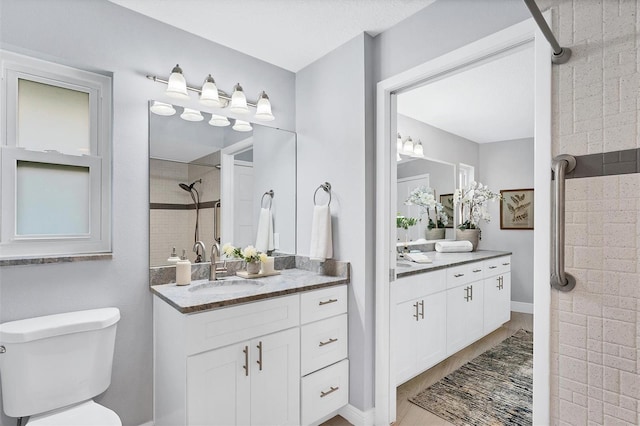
x: 56, y: 360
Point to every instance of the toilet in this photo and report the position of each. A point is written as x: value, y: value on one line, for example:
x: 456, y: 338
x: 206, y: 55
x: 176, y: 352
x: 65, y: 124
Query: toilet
x: 52, y: 366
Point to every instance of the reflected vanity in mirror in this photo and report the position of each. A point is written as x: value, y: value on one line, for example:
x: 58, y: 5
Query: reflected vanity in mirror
x: 207, y: 180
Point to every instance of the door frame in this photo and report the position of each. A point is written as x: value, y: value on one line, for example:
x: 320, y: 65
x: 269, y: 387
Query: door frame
x: 227, y: 193
x: 526, y: 31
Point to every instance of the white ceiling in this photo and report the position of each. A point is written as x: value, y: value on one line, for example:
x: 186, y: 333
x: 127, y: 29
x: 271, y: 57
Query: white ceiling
x: 288, y: 33
x: 488, y: 103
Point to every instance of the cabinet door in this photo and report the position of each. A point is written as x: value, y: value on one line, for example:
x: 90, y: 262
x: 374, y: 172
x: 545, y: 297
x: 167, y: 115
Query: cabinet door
x: 275, y: 379
x: 464, y: 315
x: 407, y: 316
x: 497, y: 301
x: 218, y: 387
x: 430, y: 334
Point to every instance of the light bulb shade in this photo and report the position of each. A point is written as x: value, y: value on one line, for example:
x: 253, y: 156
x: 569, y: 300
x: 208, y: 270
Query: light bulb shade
x: 219, y: 121
x: 263, y: 108
x: 161, y: 108
x: 418, y: 151
x: 177, y: 85
x: 209, y: 94
x: 399, y: 144
x: 407, y: 147
x: 191, y: 115
x: 398, y: 158
x: 242, y: 126
x: 238, y: 101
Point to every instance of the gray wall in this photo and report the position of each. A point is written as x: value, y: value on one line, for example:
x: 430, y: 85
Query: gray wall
x: 335, y: 145
x: 509, y: 165
x: 99, y: 35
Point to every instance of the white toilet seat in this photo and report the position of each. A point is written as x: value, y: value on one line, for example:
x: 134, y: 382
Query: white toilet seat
x: 85, y: 414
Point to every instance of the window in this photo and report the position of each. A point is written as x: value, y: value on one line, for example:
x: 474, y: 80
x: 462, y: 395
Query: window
x: 55, y: 159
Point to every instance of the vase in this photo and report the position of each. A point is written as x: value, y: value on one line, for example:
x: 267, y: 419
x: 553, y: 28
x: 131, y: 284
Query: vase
x: 253, y: 267
x: 434, y: 234
x: 471, y: 235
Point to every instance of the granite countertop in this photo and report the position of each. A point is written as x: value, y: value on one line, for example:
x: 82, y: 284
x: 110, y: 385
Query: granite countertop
x: 201, y: 295
x: 405, y: 268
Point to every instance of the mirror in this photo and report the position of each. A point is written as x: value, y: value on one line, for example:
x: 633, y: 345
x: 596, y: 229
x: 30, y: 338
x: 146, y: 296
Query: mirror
x: 191, y: 194
x: 438, y: 175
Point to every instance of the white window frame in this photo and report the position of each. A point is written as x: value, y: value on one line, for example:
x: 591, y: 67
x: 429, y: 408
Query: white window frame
x: 98, y: 240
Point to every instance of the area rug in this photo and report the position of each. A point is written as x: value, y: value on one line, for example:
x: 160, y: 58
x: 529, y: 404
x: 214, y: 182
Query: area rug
x: 494, y: 388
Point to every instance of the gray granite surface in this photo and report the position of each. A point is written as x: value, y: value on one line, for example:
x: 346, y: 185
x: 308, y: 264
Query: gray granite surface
x: 405, y: 268
x: 204, y: 295
x: 55, y: 259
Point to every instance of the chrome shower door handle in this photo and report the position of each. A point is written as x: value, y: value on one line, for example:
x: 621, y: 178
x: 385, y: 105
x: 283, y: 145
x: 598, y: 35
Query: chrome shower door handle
x: 560, y: 280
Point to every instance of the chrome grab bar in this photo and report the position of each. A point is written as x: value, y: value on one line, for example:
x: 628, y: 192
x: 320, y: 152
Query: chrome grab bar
x: 560, y: 280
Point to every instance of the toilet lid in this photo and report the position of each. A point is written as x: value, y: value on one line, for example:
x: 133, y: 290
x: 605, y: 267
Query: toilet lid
x: 86, y: 414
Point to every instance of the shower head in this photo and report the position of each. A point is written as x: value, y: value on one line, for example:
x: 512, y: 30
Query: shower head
x: 189, y: 188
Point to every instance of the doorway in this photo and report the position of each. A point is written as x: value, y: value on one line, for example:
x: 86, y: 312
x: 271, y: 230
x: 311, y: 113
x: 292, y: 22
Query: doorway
x: 482, y: 50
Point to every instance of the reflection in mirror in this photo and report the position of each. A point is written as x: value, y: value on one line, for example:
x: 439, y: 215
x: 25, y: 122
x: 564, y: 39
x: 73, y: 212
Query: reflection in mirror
x: 189, y: 191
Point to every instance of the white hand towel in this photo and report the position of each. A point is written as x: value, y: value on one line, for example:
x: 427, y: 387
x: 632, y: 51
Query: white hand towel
x: 454, y: 246
x: 321, y: 243
x: 264, y: 236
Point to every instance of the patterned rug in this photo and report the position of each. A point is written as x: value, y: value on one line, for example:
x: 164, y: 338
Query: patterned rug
x: 494, y: 388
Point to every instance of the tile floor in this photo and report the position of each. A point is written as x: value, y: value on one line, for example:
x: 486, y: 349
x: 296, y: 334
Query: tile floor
x: 408, y: 414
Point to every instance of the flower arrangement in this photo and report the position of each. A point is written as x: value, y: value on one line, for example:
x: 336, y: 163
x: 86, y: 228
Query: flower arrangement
x: 473, y: 201
x: 422, y: 196
x: 249, y: 254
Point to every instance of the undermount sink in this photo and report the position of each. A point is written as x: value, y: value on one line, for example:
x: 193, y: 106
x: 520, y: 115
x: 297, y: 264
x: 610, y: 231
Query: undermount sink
x: 226, y: 287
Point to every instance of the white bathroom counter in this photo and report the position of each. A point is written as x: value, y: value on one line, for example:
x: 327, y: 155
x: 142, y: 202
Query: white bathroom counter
x: 405, y: 268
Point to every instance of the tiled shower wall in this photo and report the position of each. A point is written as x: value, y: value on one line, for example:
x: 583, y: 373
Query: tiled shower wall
x: 595, y: 350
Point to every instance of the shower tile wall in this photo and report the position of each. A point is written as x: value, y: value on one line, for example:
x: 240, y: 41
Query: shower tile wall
x: 595, y: 350
x: 175, y: 228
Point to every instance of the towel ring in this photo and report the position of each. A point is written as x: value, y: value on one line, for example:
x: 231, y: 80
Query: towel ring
x: 270, y: 194
x: 327, y: 188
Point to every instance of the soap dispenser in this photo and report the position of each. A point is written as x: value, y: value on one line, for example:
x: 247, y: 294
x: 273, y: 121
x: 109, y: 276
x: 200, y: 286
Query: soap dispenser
x: 183, y: 270
x: 173, y: 259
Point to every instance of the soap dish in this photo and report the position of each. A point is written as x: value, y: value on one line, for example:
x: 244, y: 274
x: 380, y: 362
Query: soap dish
x: 245, y: 274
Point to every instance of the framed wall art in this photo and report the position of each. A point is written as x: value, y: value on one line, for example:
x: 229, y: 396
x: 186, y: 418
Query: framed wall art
x: 516, y: 209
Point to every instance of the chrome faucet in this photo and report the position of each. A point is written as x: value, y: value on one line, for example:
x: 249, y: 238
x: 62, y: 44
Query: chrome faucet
x: 215, y: 250
x: 199, y: 258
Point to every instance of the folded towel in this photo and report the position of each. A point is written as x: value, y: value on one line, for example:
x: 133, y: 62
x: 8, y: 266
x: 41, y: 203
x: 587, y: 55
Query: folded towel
x: 454, y: 246
x: 321, y: 243
x: 264, y: 236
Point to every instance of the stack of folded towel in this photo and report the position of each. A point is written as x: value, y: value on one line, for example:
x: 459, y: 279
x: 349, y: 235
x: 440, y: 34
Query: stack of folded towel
x: 454, y: 246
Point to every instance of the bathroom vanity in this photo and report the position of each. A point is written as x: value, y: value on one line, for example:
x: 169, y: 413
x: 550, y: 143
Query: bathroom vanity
x: 251, y: 352
x: 446, y: 305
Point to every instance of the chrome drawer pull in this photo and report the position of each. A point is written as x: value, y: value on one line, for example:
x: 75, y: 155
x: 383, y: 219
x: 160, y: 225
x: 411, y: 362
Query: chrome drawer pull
x: 259, y: 361
x: 506, y: 264
x: 327, y: 342
x: 458, y: 275
x: 492, y: 267
x: 323, y: 394
x: 327, y: 302
x: 416, y: 315
x: 246, y: 360
x: 477, y: 270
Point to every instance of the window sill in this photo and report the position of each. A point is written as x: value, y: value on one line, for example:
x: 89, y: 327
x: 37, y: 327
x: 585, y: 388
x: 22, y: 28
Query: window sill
x: 55, y: 259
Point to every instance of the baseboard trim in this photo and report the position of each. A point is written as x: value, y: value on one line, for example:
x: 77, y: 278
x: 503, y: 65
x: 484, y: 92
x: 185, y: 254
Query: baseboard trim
x: 525, y: 308
x: 357, y: 417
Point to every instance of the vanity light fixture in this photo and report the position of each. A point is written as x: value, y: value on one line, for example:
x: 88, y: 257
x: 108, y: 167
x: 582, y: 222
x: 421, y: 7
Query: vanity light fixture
x: 407, y: 147
x: 177, y: 85
x: 242, y: 126
x: 418, y: 151
x: 398, y: 158
x: 399, y: 143
x: 219, y: 120
x: 191, y: 115
x: 237, y: 102
x: 162, y: 108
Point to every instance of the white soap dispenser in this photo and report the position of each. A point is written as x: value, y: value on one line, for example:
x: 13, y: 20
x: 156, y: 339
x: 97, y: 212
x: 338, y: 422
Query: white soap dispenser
x: 173, y: 259
x: 183, y: 270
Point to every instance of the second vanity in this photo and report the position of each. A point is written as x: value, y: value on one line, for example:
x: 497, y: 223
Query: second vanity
x: 251, y: 352
x: 444, y: 306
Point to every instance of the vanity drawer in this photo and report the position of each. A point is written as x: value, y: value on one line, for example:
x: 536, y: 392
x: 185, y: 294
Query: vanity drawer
x: 323, y: 343
x: 419, y: 285
x: 222, y: 327
x: 463, y: 274
x: 325, y: 391
x: 324, y: 303
x: 497, y: 266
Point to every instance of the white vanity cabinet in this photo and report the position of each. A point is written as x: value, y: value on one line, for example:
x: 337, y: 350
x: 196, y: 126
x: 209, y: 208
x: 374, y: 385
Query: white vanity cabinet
x: 465, y: 308
x: 497, y: 293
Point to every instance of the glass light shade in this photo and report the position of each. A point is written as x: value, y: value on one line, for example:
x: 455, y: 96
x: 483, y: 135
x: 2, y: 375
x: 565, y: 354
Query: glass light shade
x: 407, y: 147
x: 398, y: 158
x: 242, y: 126
x: 219, y: 121
x: 191, y: 115
x: 399, y: 143
x: 263, y: 108
x: 209, y: 94
x: 418, y: 151
x: 161, y: 108
x: 238, y: 101
x: 177, y: 85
